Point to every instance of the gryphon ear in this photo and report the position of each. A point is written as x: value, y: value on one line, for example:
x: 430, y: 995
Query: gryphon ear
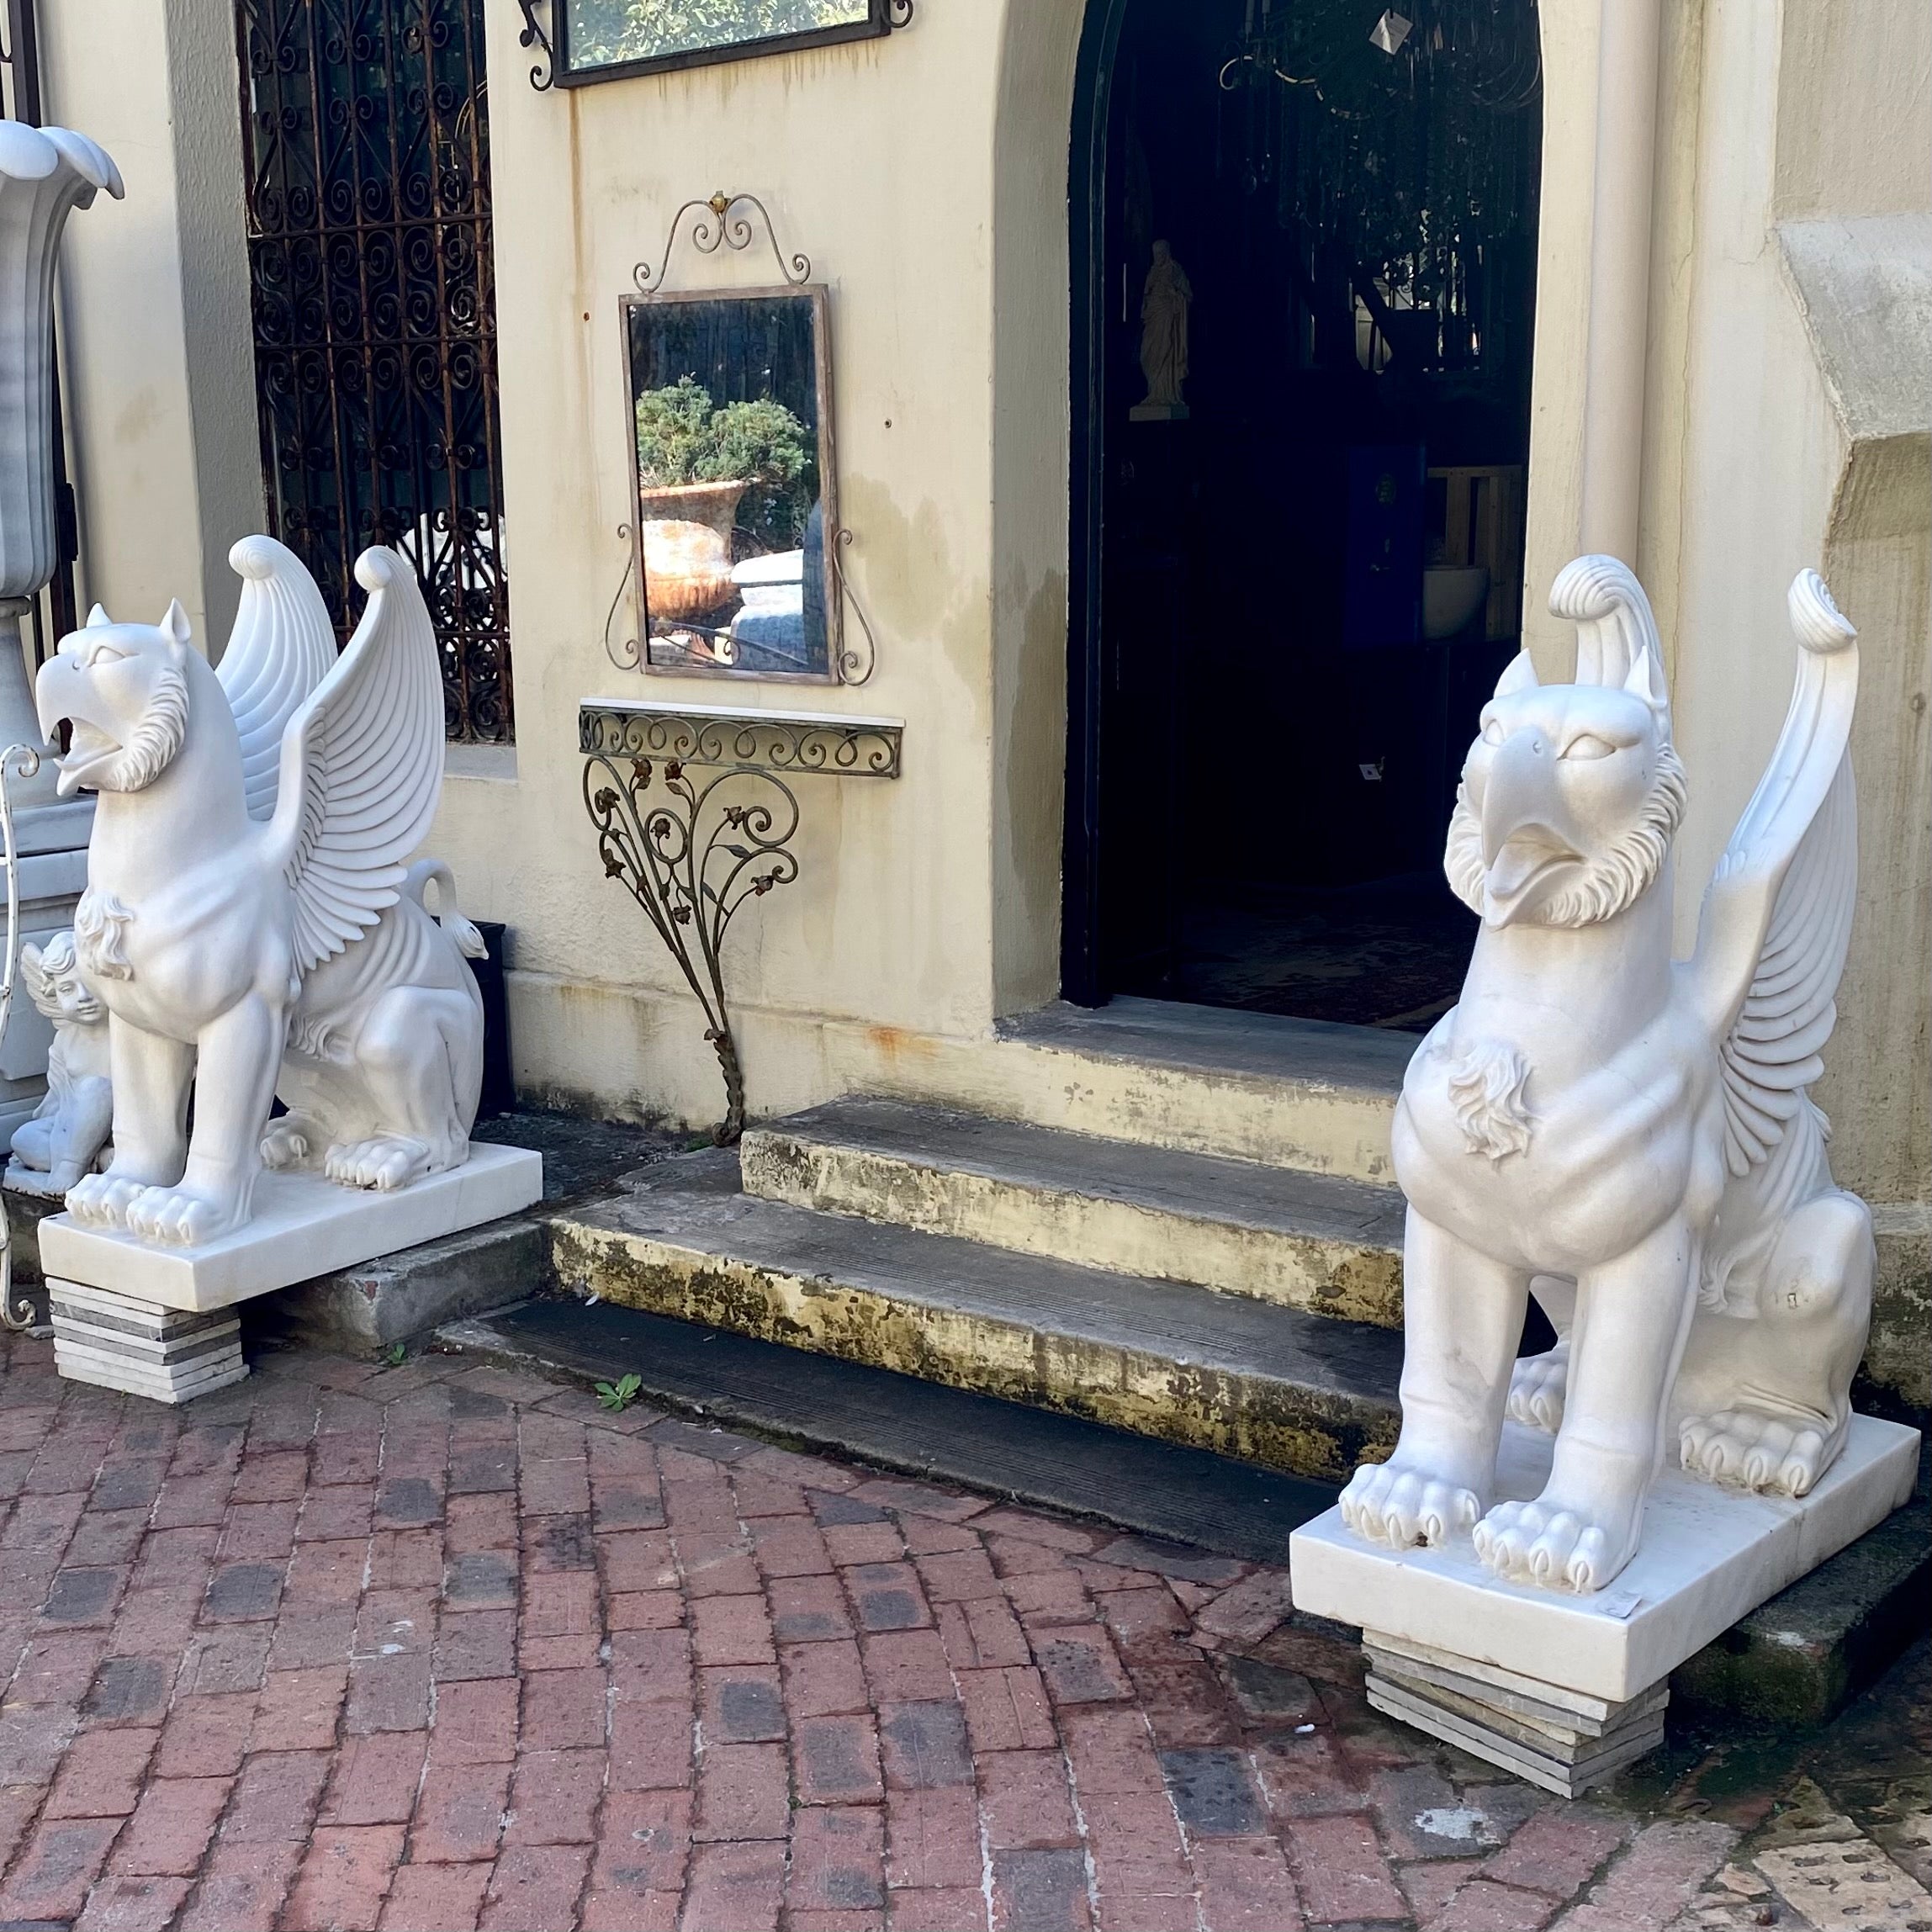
x: 1518, y: 676
x: 1646, y: 681
x: 174, y: 621
x: 98, y: 617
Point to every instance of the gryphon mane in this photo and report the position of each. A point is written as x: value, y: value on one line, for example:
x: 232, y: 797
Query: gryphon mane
x: 152, y: 744
x: 1612, y: 881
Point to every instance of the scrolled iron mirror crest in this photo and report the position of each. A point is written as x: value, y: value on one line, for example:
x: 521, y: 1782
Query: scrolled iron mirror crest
x: 727, y: 227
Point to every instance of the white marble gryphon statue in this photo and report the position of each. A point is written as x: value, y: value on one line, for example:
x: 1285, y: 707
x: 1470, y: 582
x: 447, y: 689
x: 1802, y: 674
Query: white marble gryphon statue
x: 1626, y: 1135
x: 250, y: 922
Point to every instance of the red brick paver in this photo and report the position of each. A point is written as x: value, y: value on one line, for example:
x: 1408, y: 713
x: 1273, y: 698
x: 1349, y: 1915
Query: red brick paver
x: 446, y: 1646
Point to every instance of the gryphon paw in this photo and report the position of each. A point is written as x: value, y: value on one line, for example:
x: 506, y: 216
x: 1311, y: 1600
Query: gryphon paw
x: 286, y: 1143
x: 173, y: 1217
x: 1537, y: 1386
x: 385, y: 1162
x: 1547, y: 1545
x: 1389, y: 1503
x: 1753, y: 1452
x: 101, y: 1200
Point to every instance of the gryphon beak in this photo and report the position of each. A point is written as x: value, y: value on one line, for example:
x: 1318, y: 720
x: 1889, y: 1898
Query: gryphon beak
x: 54, y: 692
x: 1522, y: 840
x: 1517, y: 791
x: 59, y: 692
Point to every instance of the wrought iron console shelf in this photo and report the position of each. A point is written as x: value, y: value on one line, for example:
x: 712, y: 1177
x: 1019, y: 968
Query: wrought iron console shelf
x: 692, y: 850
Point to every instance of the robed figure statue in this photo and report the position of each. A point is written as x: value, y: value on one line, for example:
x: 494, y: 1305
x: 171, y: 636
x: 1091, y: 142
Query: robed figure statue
x: 1164, y: 303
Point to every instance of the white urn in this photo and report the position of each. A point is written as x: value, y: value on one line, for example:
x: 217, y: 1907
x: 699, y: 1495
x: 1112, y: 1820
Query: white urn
x: 45, y: 173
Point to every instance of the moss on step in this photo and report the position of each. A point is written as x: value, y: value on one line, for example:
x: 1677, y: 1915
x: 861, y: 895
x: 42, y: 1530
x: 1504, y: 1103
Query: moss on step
x: 1255, y: 1417
x: 1326, y: 1274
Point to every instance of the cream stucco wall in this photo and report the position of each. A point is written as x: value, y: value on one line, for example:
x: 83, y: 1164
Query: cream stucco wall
x: 877, y: 160
x: 926, y: 176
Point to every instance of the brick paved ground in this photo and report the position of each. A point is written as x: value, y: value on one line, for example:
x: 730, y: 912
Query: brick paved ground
x: 442, y: 1646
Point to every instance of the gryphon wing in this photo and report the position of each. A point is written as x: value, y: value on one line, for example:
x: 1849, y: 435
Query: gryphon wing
x: 1777, y: 918
x: 282, y: 646
x: 362, y: 767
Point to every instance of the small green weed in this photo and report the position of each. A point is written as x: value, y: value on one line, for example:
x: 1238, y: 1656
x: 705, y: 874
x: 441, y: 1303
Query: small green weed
x: 394, y: 1355
x: 620, y: 1394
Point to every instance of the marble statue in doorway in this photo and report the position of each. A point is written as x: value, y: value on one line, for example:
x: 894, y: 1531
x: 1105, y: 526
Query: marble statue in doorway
x: 1164, y: 303
x: 1628, y: 1137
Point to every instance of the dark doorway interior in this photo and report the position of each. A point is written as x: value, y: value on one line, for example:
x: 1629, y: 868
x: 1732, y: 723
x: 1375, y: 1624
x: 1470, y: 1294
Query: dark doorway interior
x: 1282, y: 643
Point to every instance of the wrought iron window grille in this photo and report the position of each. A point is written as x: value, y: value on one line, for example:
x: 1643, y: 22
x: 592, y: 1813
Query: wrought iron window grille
x: 366, y: 139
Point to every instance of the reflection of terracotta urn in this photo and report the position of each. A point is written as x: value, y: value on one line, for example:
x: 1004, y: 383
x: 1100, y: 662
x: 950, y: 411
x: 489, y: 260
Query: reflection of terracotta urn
x: 687, y: 529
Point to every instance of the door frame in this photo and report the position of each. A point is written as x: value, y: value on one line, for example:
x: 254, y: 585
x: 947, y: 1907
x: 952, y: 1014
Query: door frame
x: 1080, y: 963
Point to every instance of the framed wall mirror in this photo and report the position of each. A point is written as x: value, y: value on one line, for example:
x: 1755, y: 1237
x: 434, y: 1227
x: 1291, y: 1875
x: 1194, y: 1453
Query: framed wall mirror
x: 730, y: 434
x: 605, y: 39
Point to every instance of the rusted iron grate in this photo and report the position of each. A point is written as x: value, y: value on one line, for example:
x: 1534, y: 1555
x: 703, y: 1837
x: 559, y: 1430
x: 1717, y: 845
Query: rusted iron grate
x: 367, y: 148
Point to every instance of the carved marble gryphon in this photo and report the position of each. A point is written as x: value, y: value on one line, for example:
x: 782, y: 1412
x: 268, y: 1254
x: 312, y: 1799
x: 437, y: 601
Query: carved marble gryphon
x: 250, y: 922
x: 1628, y: 1137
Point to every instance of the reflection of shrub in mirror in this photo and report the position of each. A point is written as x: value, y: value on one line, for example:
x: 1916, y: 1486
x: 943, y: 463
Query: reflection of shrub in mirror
x: 729, y: 409
x: 761, y: 445
x: 609, y: 33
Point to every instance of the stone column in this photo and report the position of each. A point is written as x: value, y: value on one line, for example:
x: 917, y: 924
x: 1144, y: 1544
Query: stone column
x: 1620, y: 277
x: 45, y: 173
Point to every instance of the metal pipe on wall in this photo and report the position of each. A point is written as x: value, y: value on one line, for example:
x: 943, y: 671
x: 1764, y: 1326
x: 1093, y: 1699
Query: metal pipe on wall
x: 1620, y: 276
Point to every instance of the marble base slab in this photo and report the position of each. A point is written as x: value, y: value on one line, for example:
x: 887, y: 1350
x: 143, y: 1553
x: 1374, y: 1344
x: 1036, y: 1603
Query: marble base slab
x: 1709, y: 1556
x: 303, y: 1226
x: 141, y: 1347
x: 1508, y: 1692
x: 1567, y: 1769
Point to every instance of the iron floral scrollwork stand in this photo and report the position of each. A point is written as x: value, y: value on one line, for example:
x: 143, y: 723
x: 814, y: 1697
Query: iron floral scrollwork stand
x: 21, y: 1315
x: 693, y: 852
x: 691, y: 858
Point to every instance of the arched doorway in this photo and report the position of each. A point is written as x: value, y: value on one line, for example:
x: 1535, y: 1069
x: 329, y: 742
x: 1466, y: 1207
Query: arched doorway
x: 1296, y: 569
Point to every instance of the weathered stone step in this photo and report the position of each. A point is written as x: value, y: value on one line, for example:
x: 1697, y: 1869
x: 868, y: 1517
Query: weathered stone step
x: 893, y: 1421
x: 1320, y: 1242
x: 1271, y: 1384
x: 1249, y: 1085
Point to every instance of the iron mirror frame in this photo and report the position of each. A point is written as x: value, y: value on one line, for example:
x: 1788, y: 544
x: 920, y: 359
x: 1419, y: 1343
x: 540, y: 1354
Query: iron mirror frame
x: 819, y: 294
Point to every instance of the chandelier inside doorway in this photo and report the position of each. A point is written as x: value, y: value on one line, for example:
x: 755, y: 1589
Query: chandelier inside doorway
x: 1399, y: 144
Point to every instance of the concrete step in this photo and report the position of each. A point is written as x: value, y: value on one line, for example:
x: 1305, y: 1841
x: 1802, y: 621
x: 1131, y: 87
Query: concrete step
x: 1273, y: 1386
x: 1320, y: 1242
x: 1205, y: 1080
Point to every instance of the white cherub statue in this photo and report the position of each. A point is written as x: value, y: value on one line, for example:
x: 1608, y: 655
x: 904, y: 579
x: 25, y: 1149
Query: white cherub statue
x: 64, y: 1139
x: 1626, y: 1135
x: 251, y: 921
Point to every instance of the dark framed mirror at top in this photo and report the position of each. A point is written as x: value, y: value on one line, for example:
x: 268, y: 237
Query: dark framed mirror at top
x: 734, y: 486
x: 610, y: 40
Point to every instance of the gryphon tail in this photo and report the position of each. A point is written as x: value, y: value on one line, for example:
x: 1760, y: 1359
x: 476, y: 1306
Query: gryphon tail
x: 468, y: 940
